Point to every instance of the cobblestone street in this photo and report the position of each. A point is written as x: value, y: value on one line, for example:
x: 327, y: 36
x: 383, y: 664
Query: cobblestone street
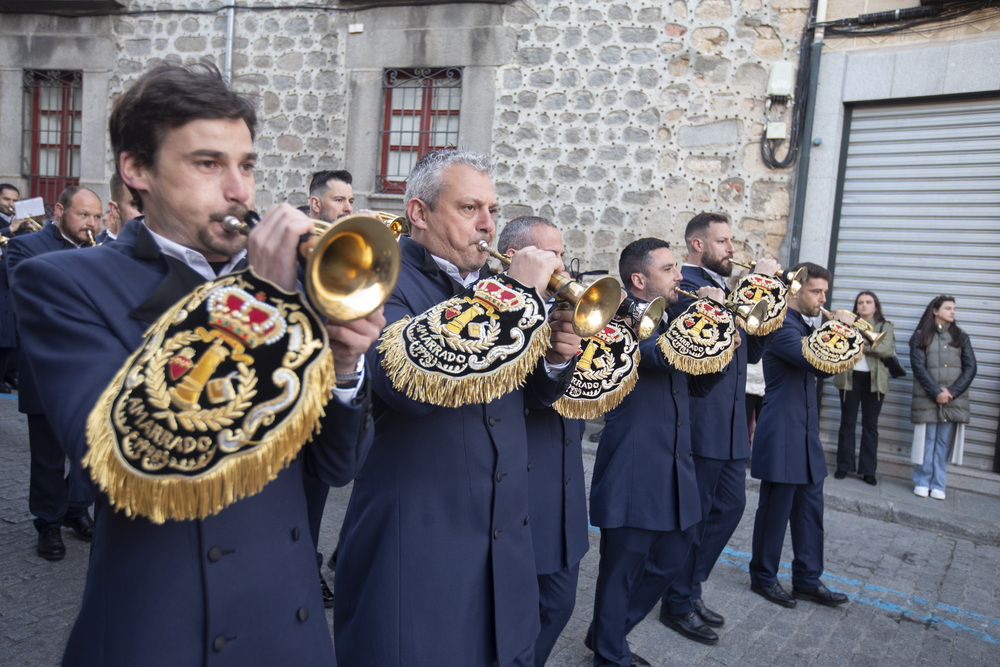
x: 918, y: 595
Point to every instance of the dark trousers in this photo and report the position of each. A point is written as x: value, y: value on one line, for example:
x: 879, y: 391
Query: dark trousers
x: 316, y: 494
x: 722, y: 491
x: 556, y: 598
x: 636, y: 567
x: 800, y: 505
x: 871, y: 405
x: 52, y: 495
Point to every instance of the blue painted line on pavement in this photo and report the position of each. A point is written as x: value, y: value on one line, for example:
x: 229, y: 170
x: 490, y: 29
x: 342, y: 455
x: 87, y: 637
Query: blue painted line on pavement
x: 740, y: 560
x: 10, y: 397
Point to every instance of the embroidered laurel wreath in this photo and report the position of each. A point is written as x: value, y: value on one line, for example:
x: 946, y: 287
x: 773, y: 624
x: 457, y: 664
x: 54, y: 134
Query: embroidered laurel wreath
x: 472, y: 348
x: 606, y: 370
x: 834, y: 347
x: 226, y: 388
x: 756, y: 287
x: 701, y: 340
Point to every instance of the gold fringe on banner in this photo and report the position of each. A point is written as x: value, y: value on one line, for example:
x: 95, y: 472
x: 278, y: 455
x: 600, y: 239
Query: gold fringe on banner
x: 426, y: 386
x: 239, y: 474
x: 772, y: 323
x: 578, y: 408
x: 832, y: 367
x: 691, y: 365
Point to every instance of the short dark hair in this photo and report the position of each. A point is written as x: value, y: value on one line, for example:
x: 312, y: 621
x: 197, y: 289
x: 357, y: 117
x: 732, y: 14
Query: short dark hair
x: 119, y: 191
x: 8, y: 186
x: 165, y: 98
x: 321, y: 179
x: 699, y: 224
x: 635, y: 258
x: 813, y: 271
x: 516, y: 232
x: 66, y: 196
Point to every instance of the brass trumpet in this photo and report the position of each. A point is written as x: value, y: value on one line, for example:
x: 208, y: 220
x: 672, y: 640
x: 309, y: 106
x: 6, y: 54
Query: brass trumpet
x: 860, y: 325
x: 793, y: 279
x: 593, y: 305
x: 751, y: 317
x: 645, y: 315
x: 351, y: 269
x: 93, y: 241
x: 397, y: 224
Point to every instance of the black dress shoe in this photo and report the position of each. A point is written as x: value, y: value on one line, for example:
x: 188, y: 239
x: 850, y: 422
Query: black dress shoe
x: 50, y: 544
x: 840, y: 474
x: 636, y: 659
x: 710, y: 617
x: 691, y: 626
x: 775, y: 594
x: 82, y: 525
x: 327, y: 593
x: 870, y: 480
x: 821, y: 595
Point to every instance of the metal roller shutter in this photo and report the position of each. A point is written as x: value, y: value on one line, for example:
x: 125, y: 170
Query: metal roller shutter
x: 919, y: 216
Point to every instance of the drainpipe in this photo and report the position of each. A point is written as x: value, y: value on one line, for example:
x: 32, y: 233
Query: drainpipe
x: 230, y: 31
x: 802, y: 169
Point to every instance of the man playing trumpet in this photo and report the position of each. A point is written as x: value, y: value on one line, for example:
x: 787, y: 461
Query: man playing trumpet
x: 239, y: 584
x: 435, y: 563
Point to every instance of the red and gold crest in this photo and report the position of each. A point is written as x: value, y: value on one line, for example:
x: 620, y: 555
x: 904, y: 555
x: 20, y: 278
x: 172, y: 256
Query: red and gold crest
x: 472, y: 348
x: 834, y: 347
x: 756, y: 287
x: 701, y: 339
x: 226, y: 388
x: 606, y: 370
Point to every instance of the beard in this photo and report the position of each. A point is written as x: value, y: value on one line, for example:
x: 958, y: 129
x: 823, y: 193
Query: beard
x: 721, y: 266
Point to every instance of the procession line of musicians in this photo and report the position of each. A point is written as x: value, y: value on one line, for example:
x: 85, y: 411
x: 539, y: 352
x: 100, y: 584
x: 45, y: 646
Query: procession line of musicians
x: 463, y: 537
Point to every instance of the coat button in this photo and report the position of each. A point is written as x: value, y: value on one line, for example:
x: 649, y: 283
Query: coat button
x: 529, y: 467
x: 567, y: 481
x: 493, y: 421
x: 219, y: 643
x: 526, y: 412
x: 214, y: 556
x: 526, y: 520
x: 499, y: 476
x: 567, y: 443
x: 303, y: 614
x: 496, y: 534
x: 296, y: 534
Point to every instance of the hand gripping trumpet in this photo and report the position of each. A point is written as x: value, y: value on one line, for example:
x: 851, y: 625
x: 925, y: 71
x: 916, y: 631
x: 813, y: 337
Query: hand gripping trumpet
x: 593, y: 305
x: 351, y: 269
x: 645, y: 315
x: 749, y: 315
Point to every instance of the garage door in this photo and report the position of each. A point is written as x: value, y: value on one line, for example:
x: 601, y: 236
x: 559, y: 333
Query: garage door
x: 919, y: 216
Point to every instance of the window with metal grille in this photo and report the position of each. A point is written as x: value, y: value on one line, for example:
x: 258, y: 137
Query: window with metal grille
x: 53, y: 122
x: 421, y: 115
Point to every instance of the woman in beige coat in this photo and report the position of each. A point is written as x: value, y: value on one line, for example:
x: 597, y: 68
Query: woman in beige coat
x: 864, y: 386
x: 943, y: 368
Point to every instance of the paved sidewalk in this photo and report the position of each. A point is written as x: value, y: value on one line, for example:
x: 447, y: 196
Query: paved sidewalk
x: 923, y: 577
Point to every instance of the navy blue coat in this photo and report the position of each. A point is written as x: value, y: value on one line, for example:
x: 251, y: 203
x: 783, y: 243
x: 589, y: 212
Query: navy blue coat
x: 47, y: 239
x: 719, y: 420
x: 558, y: 490
x: 238, y: 588
x: 435, y: 564
x: 786, y: 445
x: 644, y: 473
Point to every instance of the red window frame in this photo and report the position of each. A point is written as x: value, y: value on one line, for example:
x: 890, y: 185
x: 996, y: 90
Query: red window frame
x: 424, y: 133
x: 43, y: 135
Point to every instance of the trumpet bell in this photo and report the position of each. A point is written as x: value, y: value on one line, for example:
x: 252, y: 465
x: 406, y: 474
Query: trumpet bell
x: 796, y: 279
x: 645, y: 315
x: 752, y: 316
x: 352, y: 268
x: 593, y: 305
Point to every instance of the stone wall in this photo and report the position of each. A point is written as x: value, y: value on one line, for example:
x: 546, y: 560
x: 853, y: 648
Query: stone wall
x: 290, y: 61
x: 616, y: 120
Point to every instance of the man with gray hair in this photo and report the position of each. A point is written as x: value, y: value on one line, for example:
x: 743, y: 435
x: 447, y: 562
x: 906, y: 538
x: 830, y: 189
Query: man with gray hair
x: 558, y: 499
x: 435, y: 563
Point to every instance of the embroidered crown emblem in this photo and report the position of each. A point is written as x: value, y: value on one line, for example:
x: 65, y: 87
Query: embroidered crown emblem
x: 498, y: 295
x: 250, y: 319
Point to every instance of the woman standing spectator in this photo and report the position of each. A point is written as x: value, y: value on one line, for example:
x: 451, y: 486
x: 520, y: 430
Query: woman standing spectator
x: 865, y: 386
x: 943, y: 367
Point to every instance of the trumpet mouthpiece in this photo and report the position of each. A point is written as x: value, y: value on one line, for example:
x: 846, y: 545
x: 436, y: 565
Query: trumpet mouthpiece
x: 483, y: 245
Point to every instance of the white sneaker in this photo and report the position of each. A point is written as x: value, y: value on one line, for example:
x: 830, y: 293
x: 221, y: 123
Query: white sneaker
x: 920, y: 491
x: 937, y: 494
